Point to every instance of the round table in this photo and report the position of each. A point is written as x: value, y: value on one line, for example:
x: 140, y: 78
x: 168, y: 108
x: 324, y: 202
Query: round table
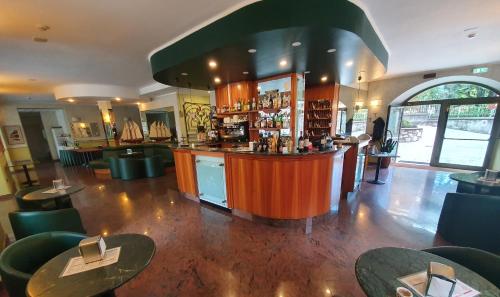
x: 470, y: 183
x: 136, y: 253
x: 378, y: 271
x: 57, y: 196
x: 379, y: 157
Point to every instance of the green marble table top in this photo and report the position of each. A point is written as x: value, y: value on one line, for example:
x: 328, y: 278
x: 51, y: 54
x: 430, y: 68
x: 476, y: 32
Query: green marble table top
x: 136, y: 253
x: 378, y: 271
x: 473, y: 178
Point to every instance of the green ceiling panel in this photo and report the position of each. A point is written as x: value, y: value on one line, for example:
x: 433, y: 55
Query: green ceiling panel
x: 271, y: 26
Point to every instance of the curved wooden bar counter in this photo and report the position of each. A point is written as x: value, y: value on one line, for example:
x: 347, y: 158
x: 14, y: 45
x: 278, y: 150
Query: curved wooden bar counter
x: 276, y: 186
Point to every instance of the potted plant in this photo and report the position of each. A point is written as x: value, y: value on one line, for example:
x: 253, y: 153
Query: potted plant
x: 387, y: 146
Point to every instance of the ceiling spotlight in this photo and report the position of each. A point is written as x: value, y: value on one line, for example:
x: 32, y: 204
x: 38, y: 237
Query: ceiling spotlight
x: 212, y: 64
x: 252, y: 51
x: 184, y: 74
x: 217, y: 80
x: 332, y: 50
x: 296, y: 43
x: 71, y: 100
x: 283, y: 63
x: 349, y: 63
x: 245, y: 72
x: 118, y: 99
x: 40, y: 39
x: 324, y: 78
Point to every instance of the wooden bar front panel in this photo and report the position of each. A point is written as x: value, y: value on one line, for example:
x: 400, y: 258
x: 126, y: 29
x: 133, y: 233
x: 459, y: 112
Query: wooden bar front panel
x: 185, y: 171
x: 280, y: 187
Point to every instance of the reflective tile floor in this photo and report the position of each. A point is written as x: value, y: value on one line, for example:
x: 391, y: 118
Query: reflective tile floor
x: 203, y: 251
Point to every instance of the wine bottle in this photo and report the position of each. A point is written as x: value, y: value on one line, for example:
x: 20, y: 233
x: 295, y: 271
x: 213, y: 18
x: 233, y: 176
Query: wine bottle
x: 301, y: 143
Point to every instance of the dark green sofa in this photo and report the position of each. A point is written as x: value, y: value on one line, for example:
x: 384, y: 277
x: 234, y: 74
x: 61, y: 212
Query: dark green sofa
x: 157, y: 157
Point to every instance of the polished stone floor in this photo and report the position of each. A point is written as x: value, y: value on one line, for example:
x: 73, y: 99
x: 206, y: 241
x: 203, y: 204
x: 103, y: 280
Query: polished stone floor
x: 203, y: 251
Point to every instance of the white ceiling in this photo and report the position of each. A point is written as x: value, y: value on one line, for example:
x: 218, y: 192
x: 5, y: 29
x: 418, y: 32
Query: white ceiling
x: 108, y: 42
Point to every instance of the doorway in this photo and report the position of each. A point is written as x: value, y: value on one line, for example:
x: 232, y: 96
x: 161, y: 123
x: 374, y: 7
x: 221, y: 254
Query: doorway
x: 450, y: 125
x: 35, y: 136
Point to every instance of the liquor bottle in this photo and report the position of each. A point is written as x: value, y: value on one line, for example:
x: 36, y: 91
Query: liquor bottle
x: 306, y: 142
x: 301, y: 143
x: 280, y: 101
x: 238, y: 105
x: 253, y: 106
x: 322, y: 146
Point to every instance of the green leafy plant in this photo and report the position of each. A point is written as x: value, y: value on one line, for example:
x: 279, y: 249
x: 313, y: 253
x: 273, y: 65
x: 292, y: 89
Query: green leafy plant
x: 388, y: 145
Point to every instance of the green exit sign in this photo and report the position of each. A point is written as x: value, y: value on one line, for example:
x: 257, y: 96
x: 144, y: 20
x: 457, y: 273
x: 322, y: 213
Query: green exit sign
x: 478, y: 70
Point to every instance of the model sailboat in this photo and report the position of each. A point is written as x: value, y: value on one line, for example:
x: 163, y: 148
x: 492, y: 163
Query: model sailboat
x: 159, y: 131
x: 131, y: 133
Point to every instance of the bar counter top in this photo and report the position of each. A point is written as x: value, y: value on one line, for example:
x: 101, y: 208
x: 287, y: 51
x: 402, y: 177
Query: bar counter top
x: 244, y: 150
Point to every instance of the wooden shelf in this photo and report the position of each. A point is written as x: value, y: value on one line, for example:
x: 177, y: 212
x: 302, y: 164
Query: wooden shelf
x: 318, y: 119
x: 319, y: 109
x: 268, y: 129
x: 319, y: 128
x: 266, y: 110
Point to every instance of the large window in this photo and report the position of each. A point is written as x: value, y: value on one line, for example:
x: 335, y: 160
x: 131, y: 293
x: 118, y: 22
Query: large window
x: 454, y: 91
x: 449, y: 125
x: 359, y: 120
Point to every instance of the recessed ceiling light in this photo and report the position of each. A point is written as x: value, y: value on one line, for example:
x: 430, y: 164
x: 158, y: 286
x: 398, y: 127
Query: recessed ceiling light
x: 324, y: 78
x: 245, y: 72
x: 118, y: 99
x: 138, y: 103
x: 71, y: 100
x: 349, y: 63
x: 332, y: 50
x: 296, y: 43
x: 283, y: 63
x: 252, y: 51
x: 212, y: 64
x: 217, y: 80
x: 40, y: 39
x: 184, y: 74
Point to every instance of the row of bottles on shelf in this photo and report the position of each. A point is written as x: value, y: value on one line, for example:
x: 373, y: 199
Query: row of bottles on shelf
x: 319, y: 115
x: 323, y: 124
x: 305, y: 145
x: 274, y: 143
x: 281, y: 121
x: 274, y: 100
x: 319, y: 104
x: 271, y: 100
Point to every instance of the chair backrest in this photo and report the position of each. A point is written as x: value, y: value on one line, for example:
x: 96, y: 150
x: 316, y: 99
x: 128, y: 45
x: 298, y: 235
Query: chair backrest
x: 471, y: 220
x: 483, y: 263
x: 21, y: 259
x: 28, y: 223
x: 24, y: 191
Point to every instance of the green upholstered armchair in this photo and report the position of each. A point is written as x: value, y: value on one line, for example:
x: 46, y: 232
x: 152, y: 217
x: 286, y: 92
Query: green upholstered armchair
x: 471, y: 220
x: 33, y: 222
x: 483, y: 263
x: 114, y: 167
x: 20, y: 260
x: 154, y: 166
x: 131, y: 168
x: 33, y: 205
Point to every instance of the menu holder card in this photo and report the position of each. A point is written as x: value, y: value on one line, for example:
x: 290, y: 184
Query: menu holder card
x: 418, y: 281
x: 77, y: 264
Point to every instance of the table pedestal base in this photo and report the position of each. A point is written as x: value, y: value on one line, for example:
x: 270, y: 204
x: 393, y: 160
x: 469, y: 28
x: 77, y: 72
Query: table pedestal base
x: 376, y: 182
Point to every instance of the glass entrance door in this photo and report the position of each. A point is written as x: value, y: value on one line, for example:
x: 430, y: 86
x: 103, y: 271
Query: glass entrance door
x: 466, y: 135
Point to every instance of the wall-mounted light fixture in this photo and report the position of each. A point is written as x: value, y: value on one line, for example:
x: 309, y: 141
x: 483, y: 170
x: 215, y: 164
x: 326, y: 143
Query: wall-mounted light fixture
x: 375, y: 103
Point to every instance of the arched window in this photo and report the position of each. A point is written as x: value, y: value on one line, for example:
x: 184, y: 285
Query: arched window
x: 450, y: 91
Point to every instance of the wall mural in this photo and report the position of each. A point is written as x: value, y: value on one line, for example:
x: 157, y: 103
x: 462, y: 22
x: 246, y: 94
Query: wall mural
x: 196, y: 114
